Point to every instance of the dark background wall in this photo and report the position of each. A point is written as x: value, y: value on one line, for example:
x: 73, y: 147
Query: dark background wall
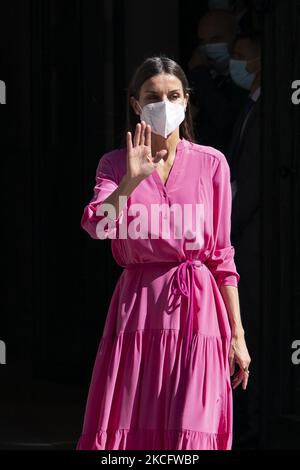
x: 280, y: 233
x: 66, y: 65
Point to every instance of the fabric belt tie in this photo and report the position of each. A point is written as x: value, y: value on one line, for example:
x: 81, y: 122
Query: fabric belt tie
x: 184, y: 284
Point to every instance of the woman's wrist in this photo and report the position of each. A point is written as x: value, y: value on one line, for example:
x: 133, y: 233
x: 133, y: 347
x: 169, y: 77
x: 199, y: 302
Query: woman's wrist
x: 238, y: 332
x: 129, y: 183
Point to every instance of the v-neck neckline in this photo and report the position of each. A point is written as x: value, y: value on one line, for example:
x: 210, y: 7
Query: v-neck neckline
x: 172, y: 172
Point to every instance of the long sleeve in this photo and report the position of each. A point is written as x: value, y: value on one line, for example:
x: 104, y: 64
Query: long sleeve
x: 93, y: 222
x: 221, y: 261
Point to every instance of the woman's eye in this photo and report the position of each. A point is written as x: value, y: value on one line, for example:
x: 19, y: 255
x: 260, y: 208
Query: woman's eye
x: 174, y: 97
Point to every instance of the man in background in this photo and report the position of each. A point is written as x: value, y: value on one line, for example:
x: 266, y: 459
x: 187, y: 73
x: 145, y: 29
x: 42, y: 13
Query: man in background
x: 216, y: 98
x: 245, y: 164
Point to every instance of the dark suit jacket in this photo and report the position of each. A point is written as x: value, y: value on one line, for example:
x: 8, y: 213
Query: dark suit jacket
x: 245, y: 237
x: 219, y: 101
x: 246, y: 204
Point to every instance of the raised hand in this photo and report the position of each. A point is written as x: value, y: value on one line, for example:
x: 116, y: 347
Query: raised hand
x: 140, y: 161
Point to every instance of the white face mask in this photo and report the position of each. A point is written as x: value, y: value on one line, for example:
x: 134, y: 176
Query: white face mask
x: 163, y: 116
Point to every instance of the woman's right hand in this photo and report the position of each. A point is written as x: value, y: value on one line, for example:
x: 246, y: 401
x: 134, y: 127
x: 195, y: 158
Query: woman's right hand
x: 140, y: 162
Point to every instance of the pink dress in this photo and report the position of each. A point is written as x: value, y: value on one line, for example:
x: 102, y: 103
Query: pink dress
x: 161, y: 376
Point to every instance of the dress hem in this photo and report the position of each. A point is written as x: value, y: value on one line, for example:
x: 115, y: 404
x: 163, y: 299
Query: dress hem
x: 152, y: 439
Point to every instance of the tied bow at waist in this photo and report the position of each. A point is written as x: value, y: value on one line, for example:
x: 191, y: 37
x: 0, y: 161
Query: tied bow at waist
x: 184, y: 284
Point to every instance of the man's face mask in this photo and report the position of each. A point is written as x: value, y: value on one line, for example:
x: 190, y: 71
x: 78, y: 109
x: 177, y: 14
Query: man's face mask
x: 240, y: 74
x: 163, y: 116
x: 218, y: 54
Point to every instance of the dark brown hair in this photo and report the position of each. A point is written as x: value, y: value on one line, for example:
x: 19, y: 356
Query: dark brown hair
x: 148, y: 68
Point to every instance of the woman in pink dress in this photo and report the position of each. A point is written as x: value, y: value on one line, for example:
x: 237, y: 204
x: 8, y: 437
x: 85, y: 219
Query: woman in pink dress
x: 173, y: 337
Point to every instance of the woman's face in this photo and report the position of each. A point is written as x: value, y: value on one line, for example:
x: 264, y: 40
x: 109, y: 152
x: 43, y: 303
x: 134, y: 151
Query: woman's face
x: 160, y: 88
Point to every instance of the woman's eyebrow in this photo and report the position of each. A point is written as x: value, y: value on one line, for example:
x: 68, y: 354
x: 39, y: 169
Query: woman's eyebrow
x: 157, y: 92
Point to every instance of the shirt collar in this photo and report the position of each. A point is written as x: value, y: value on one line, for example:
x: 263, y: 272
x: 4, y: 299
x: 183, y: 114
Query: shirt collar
x: 256, y: 94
